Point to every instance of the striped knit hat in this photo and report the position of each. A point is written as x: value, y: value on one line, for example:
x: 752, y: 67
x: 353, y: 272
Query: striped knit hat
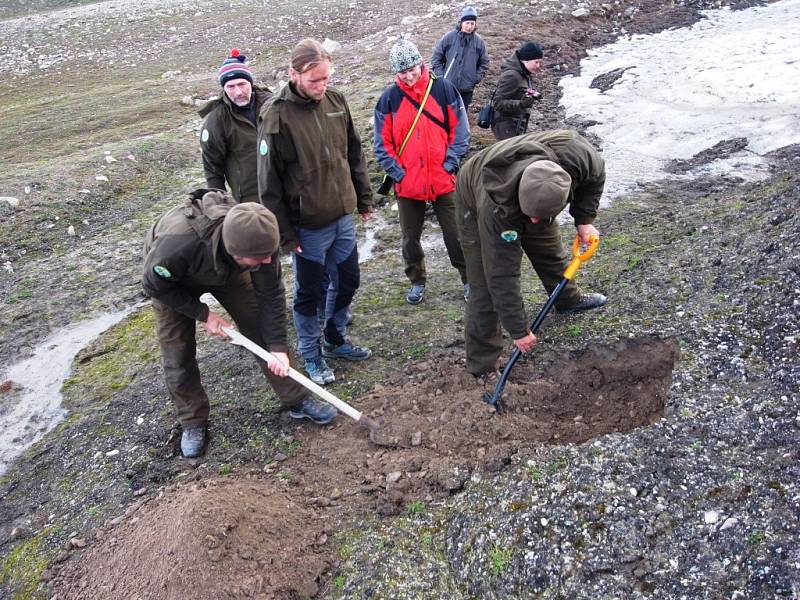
x: 233, y: 67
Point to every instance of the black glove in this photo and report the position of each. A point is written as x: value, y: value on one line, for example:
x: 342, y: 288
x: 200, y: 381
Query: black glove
x: 526, y: 102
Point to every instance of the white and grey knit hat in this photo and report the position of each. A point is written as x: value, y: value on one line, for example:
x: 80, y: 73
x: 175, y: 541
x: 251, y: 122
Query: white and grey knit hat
x: 404, y: 55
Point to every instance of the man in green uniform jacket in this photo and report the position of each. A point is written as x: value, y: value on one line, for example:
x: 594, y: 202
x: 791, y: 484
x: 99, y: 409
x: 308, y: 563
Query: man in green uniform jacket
x: 508, y: 198
x: 228, y: 136
x: 211, y: 244
x: 312, y: 174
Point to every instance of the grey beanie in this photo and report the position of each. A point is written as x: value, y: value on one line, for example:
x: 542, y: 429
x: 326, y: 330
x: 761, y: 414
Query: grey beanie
x: 250, y: 230
x: 544, y: 189
x: 469, y: 14
x: 403, y: 56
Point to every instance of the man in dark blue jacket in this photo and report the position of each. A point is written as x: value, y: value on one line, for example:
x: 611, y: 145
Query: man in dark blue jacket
x: 460, y: 56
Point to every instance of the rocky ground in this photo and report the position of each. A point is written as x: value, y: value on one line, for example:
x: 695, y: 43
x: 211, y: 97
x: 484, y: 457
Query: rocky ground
x: 648, y: 450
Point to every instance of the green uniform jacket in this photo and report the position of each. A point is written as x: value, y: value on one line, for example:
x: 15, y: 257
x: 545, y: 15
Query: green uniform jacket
x: 228, y: 142
x: 184, y: 256
x: 488, y: 206
x: 311, y: 167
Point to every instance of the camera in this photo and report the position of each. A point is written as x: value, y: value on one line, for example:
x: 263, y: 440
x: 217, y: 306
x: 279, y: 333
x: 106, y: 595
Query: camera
x: 532, y: 93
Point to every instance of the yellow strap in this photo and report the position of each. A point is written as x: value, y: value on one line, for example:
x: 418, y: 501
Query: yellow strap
x: 419, y: 112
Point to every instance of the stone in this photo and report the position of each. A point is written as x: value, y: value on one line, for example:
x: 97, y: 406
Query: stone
x: 393, y: 477
x: 71, y: 231
x: 580, y: 13
x: 10, y: 200
x: 101, y: 178
x: 331, y: 46
x: 76, y: 543
x: 21, y: 533
x: 416, y: 438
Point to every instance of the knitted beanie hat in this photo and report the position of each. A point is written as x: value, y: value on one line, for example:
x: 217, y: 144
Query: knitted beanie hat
x: 469, y: 14
x: 233, y: 67
x: 544, y: 189
x: 250, y: 230
x: 530, y: 51
x: 404, y: 55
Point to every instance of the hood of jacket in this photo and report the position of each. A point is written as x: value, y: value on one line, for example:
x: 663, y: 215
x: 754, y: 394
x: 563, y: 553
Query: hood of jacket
x: 502, y: 170
x: 513, y: 63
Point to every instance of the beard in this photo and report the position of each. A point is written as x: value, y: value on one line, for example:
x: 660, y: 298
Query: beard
x: 304, y: 91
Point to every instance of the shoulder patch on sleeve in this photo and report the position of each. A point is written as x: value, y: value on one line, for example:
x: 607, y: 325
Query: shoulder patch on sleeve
x: 204, y: 136
x: 162, y: 272
x: 263, y: 147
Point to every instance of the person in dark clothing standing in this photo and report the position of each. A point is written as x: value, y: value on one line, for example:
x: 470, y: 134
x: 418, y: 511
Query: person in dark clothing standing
x: 509, y: 196
x: 515, y: 93
x: 460, y: 57
x: 228, y: 136
x: 313, y: 175
x: 211, y: 244
x: 432, y: 147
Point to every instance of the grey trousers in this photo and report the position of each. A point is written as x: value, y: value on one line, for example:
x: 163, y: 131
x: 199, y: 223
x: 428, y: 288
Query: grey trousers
x: 412, y: 220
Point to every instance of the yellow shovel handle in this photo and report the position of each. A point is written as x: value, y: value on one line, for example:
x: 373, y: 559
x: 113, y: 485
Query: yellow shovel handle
x: 578, y: 258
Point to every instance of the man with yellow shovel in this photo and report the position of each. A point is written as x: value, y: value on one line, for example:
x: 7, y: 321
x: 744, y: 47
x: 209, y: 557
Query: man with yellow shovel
x: 508, y: 198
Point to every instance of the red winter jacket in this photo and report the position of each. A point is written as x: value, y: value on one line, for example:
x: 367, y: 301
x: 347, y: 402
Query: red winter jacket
x: 427, y: 167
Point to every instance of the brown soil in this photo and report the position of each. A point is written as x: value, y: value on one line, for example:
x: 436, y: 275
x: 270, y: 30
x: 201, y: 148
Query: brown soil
x: 266, y: 538
x: 210, y: 540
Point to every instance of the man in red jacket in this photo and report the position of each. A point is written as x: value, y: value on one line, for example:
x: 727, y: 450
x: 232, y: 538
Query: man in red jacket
x: 424, y: 163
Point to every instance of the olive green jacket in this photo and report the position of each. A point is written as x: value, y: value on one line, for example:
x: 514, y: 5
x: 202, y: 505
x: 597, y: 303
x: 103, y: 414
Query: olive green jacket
x: 228, y: 143
x: 489, y: 215
x: 311, y: 167
x: 184, y: 256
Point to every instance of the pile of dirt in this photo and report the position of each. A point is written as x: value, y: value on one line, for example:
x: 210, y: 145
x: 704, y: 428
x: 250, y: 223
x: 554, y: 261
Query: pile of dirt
x: 209, y: 540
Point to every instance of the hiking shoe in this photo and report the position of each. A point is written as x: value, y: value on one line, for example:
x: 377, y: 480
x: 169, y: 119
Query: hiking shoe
x: 311, y: 408
x: 318, y: 371
x: 488, y: 379
x: 193, y: 440
x: 466, y: 292
x: 415, y: 294
x: 584, y: 302
x: 346, y: 351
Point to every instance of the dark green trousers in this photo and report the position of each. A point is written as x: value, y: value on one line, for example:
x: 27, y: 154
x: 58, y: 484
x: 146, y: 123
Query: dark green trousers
x: 543, y: 246
x: 412, y: 220
x: 176, y: 336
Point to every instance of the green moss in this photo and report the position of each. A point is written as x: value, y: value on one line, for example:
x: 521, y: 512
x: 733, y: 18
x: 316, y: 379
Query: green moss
x: 22, y: 568
x: 500, y: 558
x: 114, y: 363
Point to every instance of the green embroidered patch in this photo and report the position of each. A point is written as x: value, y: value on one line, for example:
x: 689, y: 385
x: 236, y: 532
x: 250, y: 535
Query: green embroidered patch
x: 162, y: 272
x: 509, y: 235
